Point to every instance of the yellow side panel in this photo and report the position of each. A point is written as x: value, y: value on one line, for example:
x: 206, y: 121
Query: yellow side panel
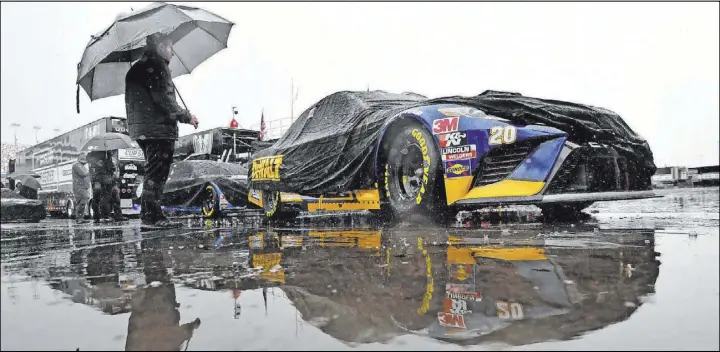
x: 456, y: 188
x: 252, y: 200
x: 506, y: 188
x: 510, y: 254
x: 358, y: 200
x: 459, y: 256
x: 290, y: 197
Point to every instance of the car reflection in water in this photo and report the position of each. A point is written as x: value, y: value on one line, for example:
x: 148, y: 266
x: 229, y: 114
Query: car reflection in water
x: 367, y: 285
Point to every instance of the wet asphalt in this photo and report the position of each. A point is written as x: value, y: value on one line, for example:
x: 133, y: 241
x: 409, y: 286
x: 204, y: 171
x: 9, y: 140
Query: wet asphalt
x: 638, y: 275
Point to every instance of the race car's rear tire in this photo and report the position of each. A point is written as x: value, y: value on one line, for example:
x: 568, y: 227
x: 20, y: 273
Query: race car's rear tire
x: 413, y: 174
x: 565, y: 212
x: 272, y: 208
x: 210, y: 203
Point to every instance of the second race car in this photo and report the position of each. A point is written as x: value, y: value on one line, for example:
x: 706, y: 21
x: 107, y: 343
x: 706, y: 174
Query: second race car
x: 399, y: 154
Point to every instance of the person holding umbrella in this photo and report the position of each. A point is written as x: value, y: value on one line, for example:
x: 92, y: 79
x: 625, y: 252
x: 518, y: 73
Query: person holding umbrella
x: 139, y: 54
x: 153, y: 115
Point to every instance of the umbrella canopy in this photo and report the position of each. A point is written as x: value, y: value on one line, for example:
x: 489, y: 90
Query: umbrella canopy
x: 109, y: 141
x: 197, y: 35
x: 27, y: 181
x: 16, y: 174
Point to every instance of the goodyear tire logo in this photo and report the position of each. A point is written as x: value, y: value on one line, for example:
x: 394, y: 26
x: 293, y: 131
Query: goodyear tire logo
x: 266, y: 168
x: 426, y: 158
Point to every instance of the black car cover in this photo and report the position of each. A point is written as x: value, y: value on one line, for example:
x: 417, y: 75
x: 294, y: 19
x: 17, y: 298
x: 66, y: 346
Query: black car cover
x: 329, y: 148
x: 188, y: 178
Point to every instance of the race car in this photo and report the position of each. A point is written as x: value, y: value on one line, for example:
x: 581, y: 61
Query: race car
x: 402, y: 154
x: 205, y: 187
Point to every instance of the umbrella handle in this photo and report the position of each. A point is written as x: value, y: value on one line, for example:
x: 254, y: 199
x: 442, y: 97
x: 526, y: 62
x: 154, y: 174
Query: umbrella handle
x: 178, y: 93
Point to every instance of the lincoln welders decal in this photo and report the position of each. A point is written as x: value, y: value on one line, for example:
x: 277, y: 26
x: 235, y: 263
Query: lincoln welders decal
x: 458, y: 153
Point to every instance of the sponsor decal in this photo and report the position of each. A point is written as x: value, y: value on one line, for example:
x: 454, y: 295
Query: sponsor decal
x: 65, y: 173
x: 266, y: 168
x: 131, y: 154
x: 510, y: 310
x: 468, y: 151
x: 130, y: 167
x: 456, y: 306
x: 452, y: 139
x: 457, y: 168
x: 426, y: 162
x: 44, y: 158
x: 458, y: 153
x: 445, y: 125
x: 464, y: 295
x: 47, y: 176
x: 255, y: 194
x: 451, y: 320
x: 129, y: 175
x: 202, y: 144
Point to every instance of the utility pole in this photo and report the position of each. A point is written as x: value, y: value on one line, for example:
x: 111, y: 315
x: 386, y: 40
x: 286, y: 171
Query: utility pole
x: 293, y: 97
x: 37, y: 128
x: 15, y: 126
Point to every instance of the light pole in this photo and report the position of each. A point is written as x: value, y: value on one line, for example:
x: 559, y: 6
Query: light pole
x: 37, y: 128
x: 15, y: 126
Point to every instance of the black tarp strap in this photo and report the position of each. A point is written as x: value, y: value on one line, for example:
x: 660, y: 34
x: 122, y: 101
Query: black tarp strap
x: 77, y: 99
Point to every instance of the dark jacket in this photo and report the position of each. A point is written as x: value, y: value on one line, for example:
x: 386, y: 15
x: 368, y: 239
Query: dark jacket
x: 81, y: 180
x: 150, y: 102
x: 102, y: 170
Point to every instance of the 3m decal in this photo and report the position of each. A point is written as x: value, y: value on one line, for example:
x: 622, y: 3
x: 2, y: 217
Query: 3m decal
x: 426, y: 162
x: 458, y: 153
x: 266, y: 168
x: 451, y: 320
x: 502, y: 135
x: 457, y: 168
x: 508, y: 311
x: 445, y: 125
x: 453, y: 139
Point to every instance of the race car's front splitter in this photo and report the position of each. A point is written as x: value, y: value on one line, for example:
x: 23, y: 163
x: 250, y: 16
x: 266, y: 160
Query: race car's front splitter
x: 558, y: 198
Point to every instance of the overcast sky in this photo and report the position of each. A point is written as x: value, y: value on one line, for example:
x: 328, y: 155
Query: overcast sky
x: 656, y: 64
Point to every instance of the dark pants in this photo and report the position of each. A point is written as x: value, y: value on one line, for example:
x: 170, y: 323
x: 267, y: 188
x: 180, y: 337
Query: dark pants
x: 81, y: 201
x: 158, y: 158
x: 101, y: 200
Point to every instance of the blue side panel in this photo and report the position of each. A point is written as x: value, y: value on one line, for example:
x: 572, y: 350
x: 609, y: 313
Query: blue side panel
x: 538, y: 165
x: 475, y: 129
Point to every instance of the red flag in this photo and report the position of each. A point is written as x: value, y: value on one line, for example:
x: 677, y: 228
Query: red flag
x: 262, y: 126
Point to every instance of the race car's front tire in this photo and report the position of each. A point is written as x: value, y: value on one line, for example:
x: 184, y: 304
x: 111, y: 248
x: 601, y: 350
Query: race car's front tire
x: 210, y: 203
x: 413, y: 174
x: 272, y: 208
x: 564, y: 212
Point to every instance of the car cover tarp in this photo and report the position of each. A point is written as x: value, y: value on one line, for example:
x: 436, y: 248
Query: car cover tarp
x: 329, y: 146
x: 187, y: 179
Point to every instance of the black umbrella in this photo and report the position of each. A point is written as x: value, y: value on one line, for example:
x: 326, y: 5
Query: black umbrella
x: 27, y: 181
x: 109, y: 141
x: 197, y: 35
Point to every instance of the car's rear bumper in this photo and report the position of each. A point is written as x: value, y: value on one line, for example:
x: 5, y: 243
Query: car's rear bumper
x: 558, y: 198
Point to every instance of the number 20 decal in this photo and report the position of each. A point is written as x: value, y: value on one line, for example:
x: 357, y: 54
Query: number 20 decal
x: 502, y: 135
